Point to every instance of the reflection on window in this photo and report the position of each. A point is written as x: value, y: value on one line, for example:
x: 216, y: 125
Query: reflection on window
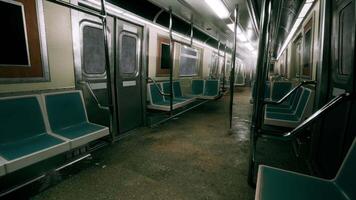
x: 165, y: 50
x: 345, y: 33
x: 189, y: 62
x: 128, y: 56
x: 93, y: 50
x: 13, y: 38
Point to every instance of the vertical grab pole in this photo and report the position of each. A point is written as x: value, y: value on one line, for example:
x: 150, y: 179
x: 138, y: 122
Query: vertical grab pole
x: 191, y: 32
x: 171, y: 62
x: 232, y: 72
x: 224, y: 70
x: 217, y: 71
x: 107, y: 63
x: 261, y: 74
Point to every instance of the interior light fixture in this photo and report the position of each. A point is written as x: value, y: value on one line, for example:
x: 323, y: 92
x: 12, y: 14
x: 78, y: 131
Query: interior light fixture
x: 306, y: 7
x: 219, y: 8
x: 249, y: 46
x: 241, y: 37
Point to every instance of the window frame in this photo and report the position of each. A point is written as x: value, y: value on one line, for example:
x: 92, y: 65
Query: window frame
x: 198, y: 59
x: 137, y: 56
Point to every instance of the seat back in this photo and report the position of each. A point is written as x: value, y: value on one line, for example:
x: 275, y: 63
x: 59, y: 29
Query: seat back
x: 346, y: 177
x: 197, y: 87
x: 211, y: 88
x: 177, y: 90
x: 155, y: 95
x: 20, y: 118
x: 280, y: 88
x: 64, y: 109
x: 303, y: 101
x: 296, y: 97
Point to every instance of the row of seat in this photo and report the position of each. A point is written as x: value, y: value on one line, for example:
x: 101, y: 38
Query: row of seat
x: 291, y: 112
x: 278, y: 184
x: 200, y: 89
x: 37, y: 127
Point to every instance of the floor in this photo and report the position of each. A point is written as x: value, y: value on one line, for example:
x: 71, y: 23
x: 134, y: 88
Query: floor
x: 194, y: 156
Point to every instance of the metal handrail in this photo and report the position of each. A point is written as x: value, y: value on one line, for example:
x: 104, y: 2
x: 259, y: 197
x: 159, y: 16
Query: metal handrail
x: 159, y: 89
x: 266, y: 101
x: 93, y: 95
x: 318, y: 114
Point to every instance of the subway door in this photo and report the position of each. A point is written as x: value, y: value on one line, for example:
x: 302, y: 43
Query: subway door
x: 339, y: 128
x: 89, y: 59
x: 129, y: 75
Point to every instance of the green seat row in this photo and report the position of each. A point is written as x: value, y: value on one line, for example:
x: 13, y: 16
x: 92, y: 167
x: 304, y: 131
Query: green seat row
x: 205, y: 89
x: 37, y: 127
x: 162, y: 102
x: 293, y: 113
x: 278, y: 184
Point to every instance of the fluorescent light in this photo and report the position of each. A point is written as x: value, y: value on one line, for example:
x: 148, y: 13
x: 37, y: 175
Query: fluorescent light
x: 306, y: 7
x: 249, y: 46
x: 241, y: 37
x: 231, y: 27
x: 219, y: 8
x: 305, y: 10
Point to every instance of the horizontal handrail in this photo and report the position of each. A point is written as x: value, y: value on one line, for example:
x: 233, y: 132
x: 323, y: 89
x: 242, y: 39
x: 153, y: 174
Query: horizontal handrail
x: 93, y: 95
x: 318, y: 114
x: 159, y: 89
x: 289, y: 93
x: 183, y: 43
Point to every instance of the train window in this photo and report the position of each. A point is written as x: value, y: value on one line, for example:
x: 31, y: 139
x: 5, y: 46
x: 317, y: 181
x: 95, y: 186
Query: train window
x: 345, y: 33
x: 163, y: 56
x: 214, y: 66
x: 23, y: 53
x: 128, y: 54
x: 13, y: 38
x: 189, y: 61
x: 93, y: 50
x: 307, y: 50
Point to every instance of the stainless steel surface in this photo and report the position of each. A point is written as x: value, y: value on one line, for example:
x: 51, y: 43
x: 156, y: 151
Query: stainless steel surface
x: 232, y: 72
x: 93, y: 95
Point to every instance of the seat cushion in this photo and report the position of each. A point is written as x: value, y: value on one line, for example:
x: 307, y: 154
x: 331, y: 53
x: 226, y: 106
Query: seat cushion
x: 276, y: 184
x: 82, y: 133
x: 31, y: 150
x: 11, y: 151
x: 282, y: 116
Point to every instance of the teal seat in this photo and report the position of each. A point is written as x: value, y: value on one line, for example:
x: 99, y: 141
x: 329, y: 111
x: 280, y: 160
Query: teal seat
x: 288, y: 107
x: 177, y: 91
x: 277, y: 184
x: 292, y: 117
x: 24, y: 137
x: 211, y: 89
x: 2, y: 166
x: 279, y: 89
x: 197, y: 87
x: 158, y: 101
x: 67, y: 118
x: 167, y: 90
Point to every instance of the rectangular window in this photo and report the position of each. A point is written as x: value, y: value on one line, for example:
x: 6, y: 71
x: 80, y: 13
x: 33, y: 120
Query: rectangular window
x: 23, y: 49
x: 188, y: 62
x: 165, y: 50
x: 345, y: 52
x: 93, y: 50
x: 13, y: 35
x: 128, y: 55
x: 163, y: 56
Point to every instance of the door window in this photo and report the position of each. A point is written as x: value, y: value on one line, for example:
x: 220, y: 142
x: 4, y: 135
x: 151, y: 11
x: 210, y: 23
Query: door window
x: 128, y: 56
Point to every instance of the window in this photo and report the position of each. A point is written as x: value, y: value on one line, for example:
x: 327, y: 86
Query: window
x: 13, y: 36
x: 345, y: 34
x: 93, y: 51
x: 23, y: 50
x: 214, y: 67
x: 163, y: 56
x: 128, y: 54
x: 306, y: 71
x: 188, y: 62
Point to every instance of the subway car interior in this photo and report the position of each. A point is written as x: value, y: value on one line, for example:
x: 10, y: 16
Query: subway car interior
x: 177, y: 99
